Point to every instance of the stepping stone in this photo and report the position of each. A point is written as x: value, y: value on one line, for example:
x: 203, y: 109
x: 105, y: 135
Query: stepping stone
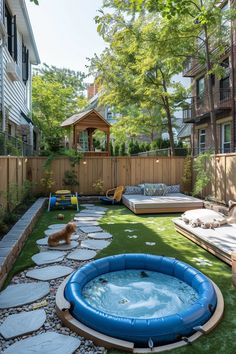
x: 150, y: 243
x: 95, y: 244
x: 95, y: 208
x: 64, y: 246
x: 79, y: 218
x: 81, y: 255
x: 44, y: 241
x: 56, y: 226
x: 89, y: 229
x: 49, y: 273
x: 21, y: 294
x: 32, y: 321
x: 92, y: 211
x: 50, y: 342
x: 51, y: 231
x: 87, y: 205
x: 87, y: 223
x: 90, y: 214
x: 100, y: 235
x: 48, y: 257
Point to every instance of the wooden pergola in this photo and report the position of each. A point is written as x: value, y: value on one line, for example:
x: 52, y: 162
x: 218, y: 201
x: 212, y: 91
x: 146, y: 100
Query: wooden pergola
x: 83, y: 127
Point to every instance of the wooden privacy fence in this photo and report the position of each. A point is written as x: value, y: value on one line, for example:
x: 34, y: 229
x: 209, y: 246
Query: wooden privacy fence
x: 113, y: 171
x: 222, y: 171
x: 13, y: 174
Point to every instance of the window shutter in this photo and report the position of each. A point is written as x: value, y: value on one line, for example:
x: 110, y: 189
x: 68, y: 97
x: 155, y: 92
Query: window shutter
x: 14, y: 53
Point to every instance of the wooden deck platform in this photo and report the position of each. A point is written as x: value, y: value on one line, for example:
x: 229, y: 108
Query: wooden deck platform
x: 220, y: 241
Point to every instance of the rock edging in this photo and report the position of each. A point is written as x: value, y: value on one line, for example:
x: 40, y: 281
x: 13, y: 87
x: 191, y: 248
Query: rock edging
x: 13, y: 242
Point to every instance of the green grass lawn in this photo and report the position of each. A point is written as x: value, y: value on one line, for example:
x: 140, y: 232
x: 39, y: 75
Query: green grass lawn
x: 159, y: 229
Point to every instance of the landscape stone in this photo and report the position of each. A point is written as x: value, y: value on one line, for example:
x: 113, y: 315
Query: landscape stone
x: 100, y: 235
x: 87, y: 223
x: 64, y: 246
x: 86, y: 218
x: 81, y: 255
x: 97, y: 208
x: 50, y: 342
x: 89, y: 229
x: 48, y: 257
x: 49, y: 273
x: 87, y: 205
x: 93, y: 211
x: 52, y: 231
x: 90, y: 214
x: 56, y: 226
x: 44, y: 241
x: 22, y: 323
x: 95, y: 244
x: 21, y: 294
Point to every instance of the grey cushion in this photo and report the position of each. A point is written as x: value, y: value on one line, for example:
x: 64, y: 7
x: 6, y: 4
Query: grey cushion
x: 158, y: 189
x: 174, y: 188
x: 133, y: 190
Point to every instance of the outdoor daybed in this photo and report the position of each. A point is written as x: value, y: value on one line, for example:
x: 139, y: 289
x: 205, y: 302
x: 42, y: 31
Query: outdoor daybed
x: 169, y: 203
x: 220, y: 241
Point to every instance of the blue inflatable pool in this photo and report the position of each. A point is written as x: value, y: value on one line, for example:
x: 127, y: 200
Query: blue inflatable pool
x: 161, y: 330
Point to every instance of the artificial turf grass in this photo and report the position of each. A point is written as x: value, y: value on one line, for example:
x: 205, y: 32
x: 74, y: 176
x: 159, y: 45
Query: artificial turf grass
x: 168, y: 243
x: 172, y: 244
x: 30, y: 248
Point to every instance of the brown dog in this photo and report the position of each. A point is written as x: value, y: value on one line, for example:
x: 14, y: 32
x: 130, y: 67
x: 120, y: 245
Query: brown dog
x: 64, y: 234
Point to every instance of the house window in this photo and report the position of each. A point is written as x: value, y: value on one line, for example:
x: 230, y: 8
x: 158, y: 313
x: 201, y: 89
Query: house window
x: 200, y: 88
x: 9, y: 129
x: 225, y: 137
x: 202, y: 140
x: 25, y: 64
x: 225, y: 81
x: 10, y: 23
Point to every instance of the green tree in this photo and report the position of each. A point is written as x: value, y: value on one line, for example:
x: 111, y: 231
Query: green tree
x: 56, y: 95
x: 193, y: 28
x: 135, y: 70
x: 122, y: 149
x: 117, y: 149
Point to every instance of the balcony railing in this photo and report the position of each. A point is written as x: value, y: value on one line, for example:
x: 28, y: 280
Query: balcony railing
x: 192, y: 65
x: 10, y: 145
x: 199, y: 106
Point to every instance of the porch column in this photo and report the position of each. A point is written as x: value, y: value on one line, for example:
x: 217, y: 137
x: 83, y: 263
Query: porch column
x: 90, y: 138
x: 108, y: 143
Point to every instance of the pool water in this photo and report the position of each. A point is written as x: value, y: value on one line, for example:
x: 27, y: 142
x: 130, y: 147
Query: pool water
x: 139, y: 294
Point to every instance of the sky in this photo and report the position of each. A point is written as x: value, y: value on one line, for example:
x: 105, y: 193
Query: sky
x: 65, y: 31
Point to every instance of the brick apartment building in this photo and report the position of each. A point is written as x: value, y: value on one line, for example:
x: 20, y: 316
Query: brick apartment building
x: 198, y: 112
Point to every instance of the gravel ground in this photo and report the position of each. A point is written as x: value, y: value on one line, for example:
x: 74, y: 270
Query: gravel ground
x: 52, y: 323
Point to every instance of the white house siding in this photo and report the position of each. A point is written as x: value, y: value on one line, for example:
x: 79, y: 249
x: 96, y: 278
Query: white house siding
x: 14, y: 93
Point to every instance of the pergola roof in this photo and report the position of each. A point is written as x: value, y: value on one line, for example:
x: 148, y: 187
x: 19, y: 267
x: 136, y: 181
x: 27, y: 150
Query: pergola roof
x: 76, y: 118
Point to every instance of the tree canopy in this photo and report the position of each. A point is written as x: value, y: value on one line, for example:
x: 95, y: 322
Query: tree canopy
x: 56, y: 95
x: 150, y: 41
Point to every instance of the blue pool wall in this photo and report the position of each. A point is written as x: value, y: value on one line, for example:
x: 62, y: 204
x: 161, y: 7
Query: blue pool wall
x: 161, y: 330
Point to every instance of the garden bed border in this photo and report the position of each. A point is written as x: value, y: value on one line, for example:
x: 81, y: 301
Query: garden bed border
x: 13, y: 242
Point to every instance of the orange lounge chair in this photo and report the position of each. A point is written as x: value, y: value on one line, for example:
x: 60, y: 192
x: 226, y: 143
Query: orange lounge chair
x: 115, y: 198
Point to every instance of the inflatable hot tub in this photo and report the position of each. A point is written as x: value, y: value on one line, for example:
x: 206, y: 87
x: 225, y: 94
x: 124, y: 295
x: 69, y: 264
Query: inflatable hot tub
x: 142, y: 331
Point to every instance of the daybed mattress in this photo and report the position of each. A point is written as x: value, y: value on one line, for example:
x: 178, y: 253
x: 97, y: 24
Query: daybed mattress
x: 220, y: 241
x: 174, y: 202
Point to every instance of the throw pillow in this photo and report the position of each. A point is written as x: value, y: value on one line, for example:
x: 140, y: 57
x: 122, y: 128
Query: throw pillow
x: 133, y: 190
x: 174, y: 188
x: 203, y: 218
x: 158, y: 189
